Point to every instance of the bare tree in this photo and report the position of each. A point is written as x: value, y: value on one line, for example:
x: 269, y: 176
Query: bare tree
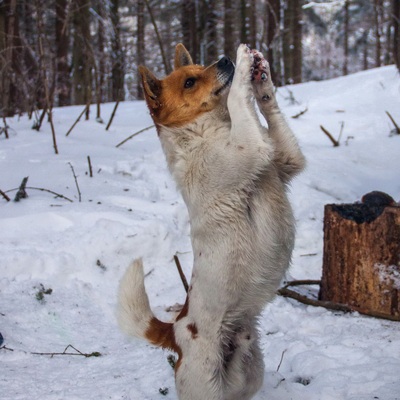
x: 117, y: 56
x: 396, y: 33
x: 229, y: 32
x: 140, y: 59
x: 62, y: 49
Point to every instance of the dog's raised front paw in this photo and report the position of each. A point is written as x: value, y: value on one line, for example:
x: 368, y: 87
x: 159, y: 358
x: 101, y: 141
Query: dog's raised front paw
x: 244, y: 61
x: 261, y: 77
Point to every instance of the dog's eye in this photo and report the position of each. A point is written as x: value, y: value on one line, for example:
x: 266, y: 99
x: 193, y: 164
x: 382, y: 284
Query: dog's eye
x: 189, y: 83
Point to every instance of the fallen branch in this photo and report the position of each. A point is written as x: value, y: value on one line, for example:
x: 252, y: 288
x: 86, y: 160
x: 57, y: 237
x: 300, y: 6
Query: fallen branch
x: 300, y: 113
x: 286, y: 292
x: 333, y: 140
x: 42, y: 190
x: 21, y: 193
x: 397, y: 128
x: 113, y: 114
x: 76, y: 182
x: 64, y: 353
x: 4, y: 195
x: 134, y: 134
x: 77, y: 120
x: 181, y: 274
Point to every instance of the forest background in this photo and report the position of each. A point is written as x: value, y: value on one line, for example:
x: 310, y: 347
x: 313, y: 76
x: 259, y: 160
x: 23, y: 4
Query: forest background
x: 66, y: 52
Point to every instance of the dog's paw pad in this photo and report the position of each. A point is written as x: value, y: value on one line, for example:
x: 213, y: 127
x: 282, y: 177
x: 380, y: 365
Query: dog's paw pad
x: 260, y: 68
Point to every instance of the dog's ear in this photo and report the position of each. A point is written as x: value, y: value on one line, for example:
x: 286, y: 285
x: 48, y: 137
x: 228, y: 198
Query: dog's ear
x: 182, y: 56
x: 151, y: 87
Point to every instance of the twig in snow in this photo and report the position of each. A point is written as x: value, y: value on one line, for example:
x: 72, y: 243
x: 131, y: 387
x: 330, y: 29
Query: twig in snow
x: 396, y: 127
x: 181, y: 274
x: 21, y: 194
x: 76, y: 182
x: 280, y: 362
x: 134, y: 134
x: 43, y: 190
x: 90, y: 167
x: 77, y: 120
x: 64, y: 353
x: 300, y: 113
x: 327, y: 133
x: 5, y: 129
x: 113, y: 113
x: 4, y: 195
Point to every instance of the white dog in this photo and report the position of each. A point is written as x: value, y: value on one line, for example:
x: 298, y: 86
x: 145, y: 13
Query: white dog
x: 233, y: 175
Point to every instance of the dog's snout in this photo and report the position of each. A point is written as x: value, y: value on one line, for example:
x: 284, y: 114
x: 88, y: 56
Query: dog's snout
x: 225, y: 64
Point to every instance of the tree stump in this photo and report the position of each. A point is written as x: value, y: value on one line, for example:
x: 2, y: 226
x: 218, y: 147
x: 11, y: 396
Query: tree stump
x: 361, y: 263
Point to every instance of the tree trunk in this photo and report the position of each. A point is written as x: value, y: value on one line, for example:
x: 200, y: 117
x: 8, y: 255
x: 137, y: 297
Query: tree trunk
x: 229, y: 38
x: 297, y: 46
x: 140, y: 58
x: 117, y: 59
x: 346, y: 38
x: 361, y: 264
x: 210, y: 42
x: 288, y: 21
x: 81, y: 64
x: 189, y: 28
x: 378, y: 31
x: 273, y: 22
x: 62, y: 47
x: 396, y: 33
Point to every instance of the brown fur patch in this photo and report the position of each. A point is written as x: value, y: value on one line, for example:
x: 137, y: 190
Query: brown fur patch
x: 193, y: 329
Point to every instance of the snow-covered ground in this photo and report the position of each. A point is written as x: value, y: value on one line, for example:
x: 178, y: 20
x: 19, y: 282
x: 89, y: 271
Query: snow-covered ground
x: 130, y: 208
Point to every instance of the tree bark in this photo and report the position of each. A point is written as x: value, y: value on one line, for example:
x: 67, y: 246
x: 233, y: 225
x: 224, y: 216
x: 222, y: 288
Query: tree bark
x: 81, y: 64
x: 140, y: 49
x: 361, y: 263
x: 273, y: 22
x: 117, y: 59
x: 189, y: 28
x: 62, y: 48
x: 346, y: 38
x: 396, y: 33
x: 229, y: 38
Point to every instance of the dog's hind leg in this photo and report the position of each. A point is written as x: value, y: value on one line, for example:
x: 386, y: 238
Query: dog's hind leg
x: 245, y: 370
x: 288, y: 154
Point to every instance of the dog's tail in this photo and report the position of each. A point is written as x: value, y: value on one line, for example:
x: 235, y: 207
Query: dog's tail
x: 134, y: 313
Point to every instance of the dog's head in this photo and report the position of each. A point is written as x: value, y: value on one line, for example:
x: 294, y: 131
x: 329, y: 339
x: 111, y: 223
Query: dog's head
x: 188, y: 92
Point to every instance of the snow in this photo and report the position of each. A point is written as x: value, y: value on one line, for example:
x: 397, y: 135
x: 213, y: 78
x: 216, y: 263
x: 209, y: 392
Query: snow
x: 131, y: 208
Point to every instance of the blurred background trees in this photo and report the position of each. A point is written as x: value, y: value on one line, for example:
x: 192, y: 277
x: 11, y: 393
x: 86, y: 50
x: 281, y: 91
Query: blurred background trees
x: 64, y: 52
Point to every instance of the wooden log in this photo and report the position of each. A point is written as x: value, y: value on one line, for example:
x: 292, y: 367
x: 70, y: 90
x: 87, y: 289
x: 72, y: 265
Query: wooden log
x: 361, y: 262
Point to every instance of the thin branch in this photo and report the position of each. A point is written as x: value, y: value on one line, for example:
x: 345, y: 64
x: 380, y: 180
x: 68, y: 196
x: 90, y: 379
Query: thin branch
x: 167, y: 65
x: 300, y: 113
x: 286, y: 292
x: 43, y: 190
x: 77, y: 120
x: 280, y: 362
x: 65, y: 353
x: 4, y: 195
x: 327, y: 133
x: 134, y: 134
x: 181, y: 274
x: 76, y: 182
x: 113, y: 113
x: 397, y: 128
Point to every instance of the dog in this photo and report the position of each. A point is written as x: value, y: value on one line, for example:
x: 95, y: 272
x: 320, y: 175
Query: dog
x: 233, y: 174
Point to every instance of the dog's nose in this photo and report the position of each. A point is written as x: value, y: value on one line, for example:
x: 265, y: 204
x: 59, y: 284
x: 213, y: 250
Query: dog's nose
x: 223, y: 62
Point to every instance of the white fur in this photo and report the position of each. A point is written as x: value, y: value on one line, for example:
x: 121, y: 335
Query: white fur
x: 232, y: 173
